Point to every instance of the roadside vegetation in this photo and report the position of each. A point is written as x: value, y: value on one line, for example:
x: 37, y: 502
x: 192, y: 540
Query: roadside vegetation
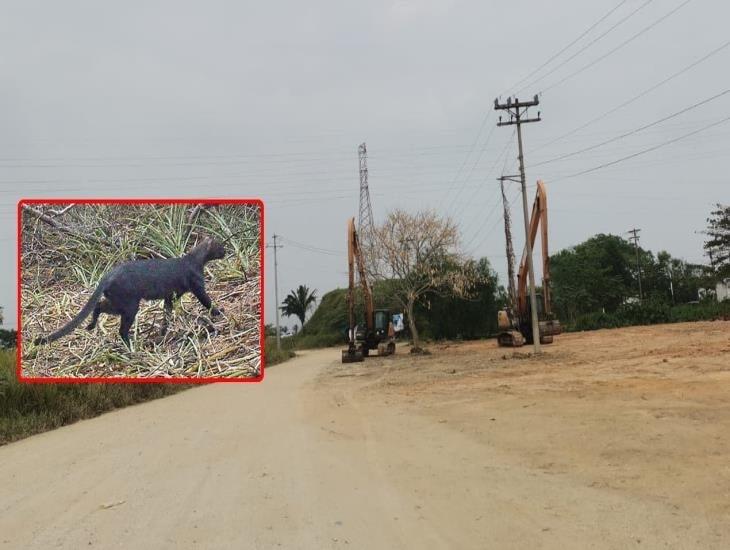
x: 273, y: 355
x: 652, y: 313
x: 27, y: 409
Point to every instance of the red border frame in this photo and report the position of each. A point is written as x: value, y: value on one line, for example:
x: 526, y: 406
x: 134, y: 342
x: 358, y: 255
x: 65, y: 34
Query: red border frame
x: 130, y: 380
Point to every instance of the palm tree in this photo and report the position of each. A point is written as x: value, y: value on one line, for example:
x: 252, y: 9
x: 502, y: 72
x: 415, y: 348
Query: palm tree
x: 298, y: 302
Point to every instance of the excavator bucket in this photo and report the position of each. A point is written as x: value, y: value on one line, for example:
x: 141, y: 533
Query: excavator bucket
x: 352, y: 356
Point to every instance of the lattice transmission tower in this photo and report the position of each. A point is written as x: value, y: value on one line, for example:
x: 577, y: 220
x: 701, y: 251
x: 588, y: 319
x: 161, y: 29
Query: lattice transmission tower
x: 365, y: 218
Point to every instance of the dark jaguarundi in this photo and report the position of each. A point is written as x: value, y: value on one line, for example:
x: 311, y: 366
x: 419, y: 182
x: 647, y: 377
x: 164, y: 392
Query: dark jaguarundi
x: 155, y: 279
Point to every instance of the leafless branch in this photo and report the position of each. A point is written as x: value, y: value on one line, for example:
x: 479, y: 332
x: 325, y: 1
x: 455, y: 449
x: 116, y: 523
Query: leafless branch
x: 63, y: 210
x: 61, y: 227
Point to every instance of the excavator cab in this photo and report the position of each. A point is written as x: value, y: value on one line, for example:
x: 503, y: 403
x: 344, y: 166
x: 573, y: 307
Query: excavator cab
x: 382, y: 321
x: 381, y: 338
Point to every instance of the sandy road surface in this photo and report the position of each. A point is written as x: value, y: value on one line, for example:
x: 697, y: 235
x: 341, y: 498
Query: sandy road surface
x: 613, y: 439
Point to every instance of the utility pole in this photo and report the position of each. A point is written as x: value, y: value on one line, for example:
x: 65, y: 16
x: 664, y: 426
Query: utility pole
x: 517, y: 110
x: 276, y: 289
x: 508, y: 243
x: 635, y: 238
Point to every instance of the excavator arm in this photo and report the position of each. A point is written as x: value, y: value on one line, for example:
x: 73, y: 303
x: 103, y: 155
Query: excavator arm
x: 538, y: 220
x: 351, y: 280
x: 355, y: 257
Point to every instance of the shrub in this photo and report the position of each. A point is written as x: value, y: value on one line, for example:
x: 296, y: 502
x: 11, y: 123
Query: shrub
x: 651, y: 313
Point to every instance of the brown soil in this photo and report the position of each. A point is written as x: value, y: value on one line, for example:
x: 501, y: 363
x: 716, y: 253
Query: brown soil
x: 641, y: 412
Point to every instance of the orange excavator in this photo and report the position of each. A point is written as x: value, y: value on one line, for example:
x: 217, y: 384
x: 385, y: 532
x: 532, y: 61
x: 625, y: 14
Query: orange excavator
x: 378, y: 333
x: 515, y: 322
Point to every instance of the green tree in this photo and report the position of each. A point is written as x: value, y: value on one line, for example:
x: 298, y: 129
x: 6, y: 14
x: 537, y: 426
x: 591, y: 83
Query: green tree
x: 717, y: 246
x: 442, y: 315
x: 601, y: 274
x: 298, y: 303
x: 684, y: 278
x: 8, y: 338
x: 597, y: 274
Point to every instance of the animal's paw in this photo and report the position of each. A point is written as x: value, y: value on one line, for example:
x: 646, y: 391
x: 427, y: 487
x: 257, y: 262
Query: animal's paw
x: 215, y: 312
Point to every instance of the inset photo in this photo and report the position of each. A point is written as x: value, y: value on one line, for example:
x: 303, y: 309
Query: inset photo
x: 140, y: 290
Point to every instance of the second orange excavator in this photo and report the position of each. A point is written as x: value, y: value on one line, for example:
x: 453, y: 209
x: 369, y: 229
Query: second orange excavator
x: 515, y: 325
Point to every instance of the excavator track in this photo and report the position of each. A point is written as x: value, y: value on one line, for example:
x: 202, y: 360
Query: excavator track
x: 511, y: 339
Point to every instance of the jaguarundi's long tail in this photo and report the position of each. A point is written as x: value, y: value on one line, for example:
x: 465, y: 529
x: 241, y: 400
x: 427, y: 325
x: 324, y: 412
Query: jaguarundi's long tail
x: 76, y: 321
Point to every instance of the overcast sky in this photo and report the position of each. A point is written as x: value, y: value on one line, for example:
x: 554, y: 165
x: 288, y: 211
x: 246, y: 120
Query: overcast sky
x: 271, y: 99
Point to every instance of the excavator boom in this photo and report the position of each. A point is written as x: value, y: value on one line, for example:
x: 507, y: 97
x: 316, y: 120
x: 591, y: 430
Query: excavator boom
x: 538, y: 219
x: 367, y: 295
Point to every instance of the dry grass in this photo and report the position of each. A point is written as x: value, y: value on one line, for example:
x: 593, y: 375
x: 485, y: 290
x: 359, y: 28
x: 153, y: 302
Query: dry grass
x: 61, y: 269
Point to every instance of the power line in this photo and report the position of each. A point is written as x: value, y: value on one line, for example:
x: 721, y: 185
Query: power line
x: 311, y: 248
x: 617, y: 48
x: 644, y: 151
x: 488, y: 232
x: 634, y: 131
x: 270, y: 158
x: 471, y: 150
x: 576, y: 54
x: 473, y: 166
x: 554, y: 56
x: 639, y: 95
x: 496, y: 162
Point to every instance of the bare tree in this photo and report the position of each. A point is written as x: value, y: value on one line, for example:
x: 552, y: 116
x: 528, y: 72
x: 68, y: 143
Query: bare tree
x: 418, y: 253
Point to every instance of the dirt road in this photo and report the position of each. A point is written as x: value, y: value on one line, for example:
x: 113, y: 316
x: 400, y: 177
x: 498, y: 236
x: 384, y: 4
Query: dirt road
x: 612, y: 439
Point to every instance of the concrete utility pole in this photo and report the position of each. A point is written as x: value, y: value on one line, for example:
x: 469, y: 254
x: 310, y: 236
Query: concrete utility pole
x: 516, y: 110
x: 508, y: 245
x: 635, y: 238
x: 276, y: 289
